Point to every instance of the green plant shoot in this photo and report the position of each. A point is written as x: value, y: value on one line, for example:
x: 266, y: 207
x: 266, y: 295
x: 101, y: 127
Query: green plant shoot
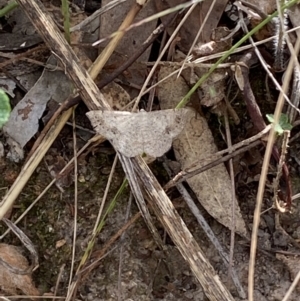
x: 283, y: 125
x: 4, y: 108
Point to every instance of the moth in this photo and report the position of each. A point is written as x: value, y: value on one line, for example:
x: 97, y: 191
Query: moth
x: 133, y: 134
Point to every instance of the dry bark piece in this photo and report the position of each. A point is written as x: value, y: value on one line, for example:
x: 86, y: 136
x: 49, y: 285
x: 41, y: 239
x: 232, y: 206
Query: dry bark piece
x: 190, y: 28
x: 112, y: 19
x: 9, y: 281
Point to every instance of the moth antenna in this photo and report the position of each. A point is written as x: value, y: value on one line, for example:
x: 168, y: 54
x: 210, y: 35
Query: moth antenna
x: 279, y: 41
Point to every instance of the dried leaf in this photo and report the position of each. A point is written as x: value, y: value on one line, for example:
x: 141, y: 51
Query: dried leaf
x: 196, y: 143
x: 9, y: 281
x: 117, y: 97
x: 24, y: 119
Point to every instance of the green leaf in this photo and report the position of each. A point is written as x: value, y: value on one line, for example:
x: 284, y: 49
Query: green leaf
x: 282, y: 125
x: 4, y: 108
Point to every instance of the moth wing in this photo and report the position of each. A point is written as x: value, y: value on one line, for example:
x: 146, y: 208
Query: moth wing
x: 106, y: 123
x: 176, y: 120
x: 128, y: 144
x: 159, y: 146
x: 160, y: 129
x: 117, y: 128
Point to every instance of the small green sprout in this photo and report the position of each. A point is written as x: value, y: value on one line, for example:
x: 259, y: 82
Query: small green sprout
x: 282, y: 125
x: 4, y: 108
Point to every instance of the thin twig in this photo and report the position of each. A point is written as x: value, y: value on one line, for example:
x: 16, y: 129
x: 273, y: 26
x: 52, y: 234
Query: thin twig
x: 233, y: 197
x: 75, y: 199
x: 232, y: 151
x: 59, y: 277
x: 27, y: 244
x: 105, y: 194
x: 281, y: 163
